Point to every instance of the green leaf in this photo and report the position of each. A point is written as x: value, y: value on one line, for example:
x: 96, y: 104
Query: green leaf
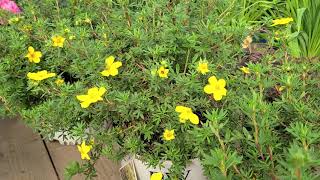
x: 299, y: 17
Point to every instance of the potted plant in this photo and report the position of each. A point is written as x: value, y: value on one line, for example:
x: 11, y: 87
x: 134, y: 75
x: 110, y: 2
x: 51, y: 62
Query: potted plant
x: 153, y: 82
x: 140, y: 86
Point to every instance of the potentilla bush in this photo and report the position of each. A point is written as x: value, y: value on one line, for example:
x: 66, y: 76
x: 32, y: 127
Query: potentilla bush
x: 163, y: 80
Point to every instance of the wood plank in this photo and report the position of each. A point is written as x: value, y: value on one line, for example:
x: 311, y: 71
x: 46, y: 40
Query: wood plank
x: 22, y: 153
x: 62, y: 154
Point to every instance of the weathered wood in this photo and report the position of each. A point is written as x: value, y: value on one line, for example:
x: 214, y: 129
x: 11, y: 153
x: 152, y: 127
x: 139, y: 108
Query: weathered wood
x: 62, y: 155
x: 22, y: 154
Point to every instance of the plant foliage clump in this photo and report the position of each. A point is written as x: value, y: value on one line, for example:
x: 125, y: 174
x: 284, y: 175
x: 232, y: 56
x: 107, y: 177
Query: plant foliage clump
x: 169, y: 80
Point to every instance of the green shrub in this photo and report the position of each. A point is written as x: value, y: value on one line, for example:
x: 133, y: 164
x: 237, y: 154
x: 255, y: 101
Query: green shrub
x: 265, y: 124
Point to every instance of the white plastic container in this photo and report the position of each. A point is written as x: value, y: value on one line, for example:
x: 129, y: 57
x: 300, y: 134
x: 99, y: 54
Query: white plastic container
x: 193, y: 171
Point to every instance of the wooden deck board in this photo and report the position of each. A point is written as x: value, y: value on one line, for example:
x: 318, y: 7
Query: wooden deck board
x: 22, y: 154
x: 62, y: 155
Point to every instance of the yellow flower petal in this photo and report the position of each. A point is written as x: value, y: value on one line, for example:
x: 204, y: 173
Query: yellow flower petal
x: 194, y: 119
x: 102, y: 90
x: 245, y: 70
x: 209, y: 89
x: 85, y: 104
x: 281, y: 21
x: 180, y: 109
x: 116, y: 64
x: 218, y: 96
x: 30, y: 49
x: 221, y: 83
x: 113, y: 71
x: 82, y: 97
x: 109, y: 60
x: 156, y: 176
x: 212, y: 80
x: 105, y: 73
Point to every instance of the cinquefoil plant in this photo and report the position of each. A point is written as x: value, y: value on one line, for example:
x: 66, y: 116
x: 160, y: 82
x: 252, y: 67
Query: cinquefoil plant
x: 161, y: 79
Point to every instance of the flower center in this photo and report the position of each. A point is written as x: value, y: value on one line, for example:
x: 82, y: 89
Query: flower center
x: 217, y: 87
x: 32, y: 55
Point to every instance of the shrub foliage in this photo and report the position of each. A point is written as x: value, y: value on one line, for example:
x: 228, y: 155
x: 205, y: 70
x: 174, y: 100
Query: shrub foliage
x: 265, y: 126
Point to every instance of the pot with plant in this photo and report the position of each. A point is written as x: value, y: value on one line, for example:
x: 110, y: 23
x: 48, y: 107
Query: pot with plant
x: 136, y: 93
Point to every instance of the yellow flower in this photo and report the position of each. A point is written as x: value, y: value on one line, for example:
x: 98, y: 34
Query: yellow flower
x: 91, y: 142
x: 33, y: 56
x: 281, y: 21
x: 26, y: 28
x: 111, y: 67
x: 168, y: 135
x: 59, y: 82
x: 87, y: 20
x: 203, y: 67
x: 14, y: 20
x: 245, y: 70
x: 247, y: 42
x: 84, y: 150
x: 40, y: 75
x: 58, y: 41
x: 94, y: 95
x: 187, y: 114
x: 216, y: 87
x: 280, y: 88
x: 156, y: 176
x: 163, y: 72
x: 276, y: 35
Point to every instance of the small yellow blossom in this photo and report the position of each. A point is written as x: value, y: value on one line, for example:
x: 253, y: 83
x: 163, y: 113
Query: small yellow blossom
x: 59, y: 82
x: 168, y: 135
x: 187, y: 114
x: 111, y: 67
x: 247, y: 42
x: 84, y: 150
x: 87, y: 20
x: 156, y: 176
x: 33, y: 56
x: 94, y: 95
x: 14, y: 20
x: 67, y: 30
x: 40, y: 75
x: 216, y: 87
x: 91, y: 142
x: 163, y: 72
x: 281, y: 21
x: 203, y: 67
x: 26, y: 28
x: 245, y: 70
x: 280, y: 88
x: 58, y: 41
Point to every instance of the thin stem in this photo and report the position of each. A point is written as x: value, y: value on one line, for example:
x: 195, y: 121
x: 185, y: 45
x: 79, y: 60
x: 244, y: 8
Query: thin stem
x: 256, y: 133
x: 58, y: 9
x: 186, y: 64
